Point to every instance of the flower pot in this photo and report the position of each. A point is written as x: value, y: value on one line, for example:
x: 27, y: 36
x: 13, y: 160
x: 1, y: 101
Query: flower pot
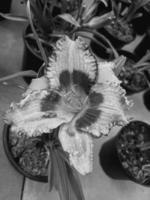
x: 119, y: 35
x: 5, y: 7
x: 133, y: 150
x: 109, y: 160
x: 28, y: 158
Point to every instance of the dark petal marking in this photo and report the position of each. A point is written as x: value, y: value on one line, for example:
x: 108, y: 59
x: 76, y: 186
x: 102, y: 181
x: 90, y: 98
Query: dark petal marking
x: 49, y: 102
x: 65, y: 78
x: 82, y: 79
x: 95, y: 98
x: 89, y: 117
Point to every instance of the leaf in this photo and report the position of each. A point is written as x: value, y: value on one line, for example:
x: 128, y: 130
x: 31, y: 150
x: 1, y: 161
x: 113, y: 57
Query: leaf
x: 135, y: 5
x: 100, y: 21
x: 35, y: 34
x: 88, y: 4
x: 28, y: 73
x: 66, y: 179
x: 51, y: 171
x: 119, y: 64
x: 44, y: 42
x: 90, y: 7
x: 91, y: 37
x: 14, y: 17
x: 69, y: 18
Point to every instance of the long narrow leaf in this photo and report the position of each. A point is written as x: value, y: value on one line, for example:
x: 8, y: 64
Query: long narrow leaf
x: 66, y: 180
x: 14, y: 17
x: 31, y: 36
x: 100, y: 21
x: 36, y: 35
x: 69, y: 18
x: 18, y: 74
x: 91, y: 37
x: 135, y: 5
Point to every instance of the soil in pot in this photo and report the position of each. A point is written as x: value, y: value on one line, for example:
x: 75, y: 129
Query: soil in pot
x: 121, y: 31
x: 30, y: 156
x: 109, y: 160
x: 133, y: 149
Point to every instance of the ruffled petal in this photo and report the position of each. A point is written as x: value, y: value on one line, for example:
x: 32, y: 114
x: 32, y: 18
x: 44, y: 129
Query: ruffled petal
x: 38, y: 112
x: 37, y: 84
x: 71, y: 64
x: 80, y: 149
x: 105, y: 105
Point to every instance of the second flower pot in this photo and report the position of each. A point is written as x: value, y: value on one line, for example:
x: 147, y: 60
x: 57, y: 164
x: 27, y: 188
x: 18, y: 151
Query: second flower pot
x: 133, y: 150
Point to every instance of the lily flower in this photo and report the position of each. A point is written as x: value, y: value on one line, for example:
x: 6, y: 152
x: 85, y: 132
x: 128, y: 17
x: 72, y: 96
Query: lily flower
x: 79, y: 94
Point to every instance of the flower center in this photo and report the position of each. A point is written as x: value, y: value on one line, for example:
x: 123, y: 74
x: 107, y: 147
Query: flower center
x: 74, y: 100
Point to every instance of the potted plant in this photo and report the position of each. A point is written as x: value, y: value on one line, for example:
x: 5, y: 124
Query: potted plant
x: 69, y: 105
x: 30, y: 156
x: 122, y: 29
x: 133, y: 150
x: 134, y: 75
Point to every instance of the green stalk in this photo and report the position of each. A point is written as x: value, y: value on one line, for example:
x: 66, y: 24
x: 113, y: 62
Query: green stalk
x: 90, y: 37
x: 104, y: 39
x: 28, y: 73
x: 143, y: 59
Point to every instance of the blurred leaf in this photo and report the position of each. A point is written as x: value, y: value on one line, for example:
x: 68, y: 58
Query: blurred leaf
x: 106, y: 40
x: 32, y: 37
x: 14, y: 17
x: 91, y: 37
x: 42, y: 16
x: 100, y: 21
x: 43, y: 54
x: 68, y: 18
x: 119, y: 64
x: 29, y: 73
x: 51, y: 172
x: 135, y: 5
x: 90, y: 5
x: 65, y: 178
x: 142, y: 66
